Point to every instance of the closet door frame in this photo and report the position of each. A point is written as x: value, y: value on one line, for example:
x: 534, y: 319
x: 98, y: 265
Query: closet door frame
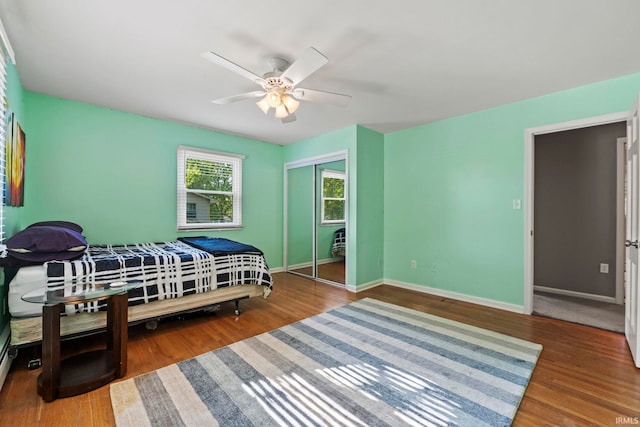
x: 313, y: 161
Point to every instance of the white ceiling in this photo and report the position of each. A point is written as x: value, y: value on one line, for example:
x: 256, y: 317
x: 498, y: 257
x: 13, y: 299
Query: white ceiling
x: 404, y: 62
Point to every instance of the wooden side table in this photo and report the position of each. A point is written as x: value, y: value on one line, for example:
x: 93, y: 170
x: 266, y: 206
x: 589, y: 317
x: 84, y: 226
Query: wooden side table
x: 86, y: 371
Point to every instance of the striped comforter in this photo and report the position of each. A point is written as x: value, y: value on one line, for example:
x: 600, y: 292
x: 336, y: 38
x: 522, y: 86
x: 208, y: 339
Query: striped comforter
x: 167, y: 270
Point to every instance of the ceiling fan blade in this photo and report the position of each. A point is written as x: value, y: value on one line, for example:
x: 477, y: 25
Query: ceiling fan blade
x: 290, y: 118
x: 242, y: 96
x: 313, y: 95
x: 231, y: 66
x: 307, y: 64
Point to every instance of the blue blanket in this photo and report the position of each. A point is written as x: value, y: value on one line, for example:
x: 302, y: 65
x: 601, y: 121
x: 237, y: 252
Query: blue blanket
x: 220, y: 246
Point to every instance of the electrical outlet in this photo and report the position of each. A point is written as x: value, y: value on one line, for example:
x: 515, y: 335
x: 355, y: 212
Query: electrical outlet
x: 604, y: 268
x: 414, y: 263
x: 516, y: 204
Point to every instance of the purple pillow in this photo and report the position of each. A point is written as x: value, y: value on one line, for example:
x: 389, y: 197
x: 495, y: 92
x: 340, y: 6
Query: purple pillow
x: 66, y: 224
x: 41, y: 243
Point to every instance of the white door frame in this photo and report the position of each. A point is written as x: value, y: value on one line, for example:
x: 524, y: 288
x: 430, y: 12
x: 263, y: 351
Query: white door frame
x: 621, y: 166
x: 529, y: 156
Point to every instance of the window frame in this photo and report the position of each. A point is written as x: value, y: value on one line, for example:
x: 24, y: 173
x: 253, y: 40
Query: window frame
x: 235, y: 160
x: 335, y: 174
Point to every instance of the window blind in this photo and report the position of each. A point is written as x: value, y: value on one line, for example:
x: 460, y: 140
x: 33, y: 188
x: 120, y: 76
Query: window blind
x: 209, y: 188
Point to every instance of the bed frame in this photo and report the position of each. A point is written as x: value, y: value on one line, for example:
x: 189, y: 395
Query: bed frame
x: 26, y: 331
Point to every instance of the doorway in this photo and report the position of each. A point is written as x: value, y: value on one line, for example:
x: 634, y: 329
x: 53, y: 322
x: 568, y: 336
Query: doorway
x: 574, y: 267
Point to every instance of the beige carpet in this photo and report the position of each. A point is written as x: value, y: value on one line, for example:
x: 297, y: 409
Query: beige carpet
x: 578, y: 310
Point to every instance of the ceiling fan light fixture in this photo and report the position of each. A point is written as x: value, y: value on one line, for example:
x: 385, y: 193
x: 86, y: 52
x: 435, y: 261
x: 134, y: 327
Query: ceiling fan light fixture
x: 263, y: 105
x: 291, y: 104
x: 273, y: 98
x: 281, y: 111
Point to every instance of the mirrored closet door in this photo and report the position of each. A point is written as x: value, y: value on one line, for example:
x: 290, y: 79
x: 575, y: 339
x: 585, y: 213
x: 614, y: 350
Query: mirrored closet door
x: 316, y: 209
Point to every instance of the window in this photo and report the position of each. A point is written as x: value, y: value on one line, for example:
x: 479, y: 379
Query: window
x: 191, y: 211
x: 209, y: 189
x: 333, y: 197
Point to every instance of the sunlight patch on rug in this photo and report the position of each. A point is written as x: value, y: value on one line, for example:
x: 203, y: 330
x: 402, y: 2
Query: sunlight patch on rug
x: 368, y: 363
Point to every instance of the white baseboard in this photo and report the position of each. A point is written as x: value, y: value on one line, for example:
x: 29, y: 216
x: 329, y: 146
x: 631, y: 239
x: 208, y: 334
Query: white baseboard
x: 329, y: 260
x: 565, y: 292
x: 457, y: 296
x: 301, y: 265
x: 276, y: 270
x: 310, y: 263
x: 365, y: 286
x: 5, y: 361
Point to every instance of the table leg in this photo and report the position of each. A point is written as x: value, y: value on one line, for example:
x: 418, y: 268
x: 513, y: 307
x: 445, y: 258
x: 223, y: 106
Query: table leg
x: 51, y: 351
x: 117, y: 332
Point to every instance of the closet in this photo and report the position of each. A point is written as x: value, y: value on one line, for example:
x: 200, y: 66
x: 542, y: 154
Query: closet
x: 316, y: 218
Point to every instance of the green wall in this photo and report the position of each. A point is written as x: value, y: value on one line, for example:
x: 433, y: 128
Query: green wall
x: 300, y: 217
x: 13, y: 215
x: 365, y: 175
x: 450, y: 185
x: 332, y: 142
x: 370, y: 206
x: 15, y: 98
x: 114, y: 173
x: 439, y: 193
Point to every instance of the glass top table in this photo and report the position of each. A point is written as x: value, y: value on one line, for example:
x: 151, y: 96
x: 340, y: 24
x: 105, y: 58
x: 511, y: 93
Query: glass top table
x: 86, y: 370
x: 69, y: 295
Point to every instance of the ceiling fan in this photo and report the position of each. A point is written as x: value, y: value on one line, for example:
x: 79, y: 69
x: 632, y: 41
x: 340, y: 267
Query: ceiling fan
x: 279, y: 86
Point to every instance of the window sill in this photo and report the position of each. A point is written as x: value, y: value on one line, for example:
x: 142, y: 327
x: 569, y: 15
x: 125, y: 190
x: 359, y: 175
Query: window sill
x: 204, y: 228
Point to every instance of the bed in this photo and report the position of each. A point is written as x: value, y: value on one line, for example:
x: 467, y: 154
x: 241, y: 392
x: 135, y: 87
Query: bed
x: 339, y: 246
x: 177, y: 276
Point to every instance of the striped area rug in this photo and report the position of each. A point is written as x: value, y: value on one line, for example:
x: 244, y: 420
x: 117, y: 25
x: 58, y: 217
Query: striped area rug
x: 368, y: 363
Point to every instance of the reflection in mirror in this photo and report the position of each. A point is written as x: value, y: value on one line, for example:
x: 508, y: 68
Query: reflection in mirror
x: 300, y: 220
x: 330, y: 221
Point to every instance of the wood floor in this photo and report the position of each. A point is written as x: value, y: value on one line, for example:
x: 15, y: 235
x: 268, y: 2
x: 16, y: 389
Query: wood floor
x: 333, y: 271
x: 584, y: 376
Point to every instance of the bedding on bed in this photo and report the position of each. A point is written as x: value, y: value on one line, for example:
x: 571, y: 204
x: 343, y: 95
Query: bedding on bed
x: 167, y: 270
x: 219, y: 246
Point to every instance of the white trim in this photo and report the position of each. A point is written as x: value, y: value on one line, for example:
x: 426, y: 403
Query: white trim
x: 276, y: 270
x: 515, y: 308
x: 329, y: 260
x: 301, y: 265
x: 210, y: 152
x: 365, y: 286
x: 7, y: 45
x: 5, y: 360
x: 580, y: 123
x: 529, y: 155
x: 324, y: 158
x: 576, y: 294
x: 183, y: 154
x: 312, y: 161
x: 285, y: 219
x: 620, y: 220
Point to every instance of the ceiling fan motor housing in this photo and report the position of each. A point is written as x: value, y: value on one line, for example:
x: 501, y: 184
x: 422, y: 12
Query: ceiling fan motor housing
x: 272, y: 78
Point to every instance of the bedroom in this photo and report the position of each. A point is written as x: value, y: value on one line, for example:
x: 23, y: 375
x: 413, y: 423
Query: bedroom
x: 114, y: 172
